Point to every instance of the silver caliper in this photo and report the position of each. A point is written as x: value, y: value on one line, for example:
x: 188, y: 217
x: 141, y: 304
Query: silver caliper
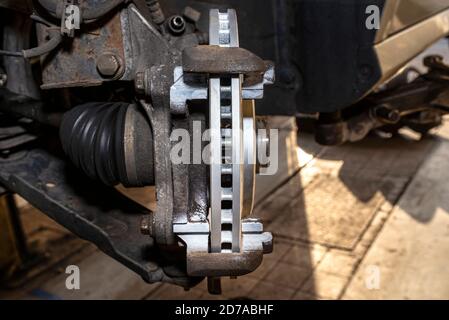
x: 229, y: 243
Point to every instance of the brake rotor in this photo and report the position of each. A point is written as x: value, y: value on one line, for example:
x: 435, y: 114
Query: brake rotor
x: 233, y: 144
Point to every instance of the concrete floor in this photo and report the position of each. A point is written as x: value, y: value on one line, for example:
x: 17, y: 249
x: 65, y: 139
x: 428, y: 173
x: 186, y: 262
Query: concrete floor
x: 363, y: 221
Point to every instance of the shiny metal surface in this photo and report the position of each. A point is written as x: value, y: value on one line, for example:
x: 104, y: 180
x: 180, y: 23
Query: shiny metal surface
x: 224, y: 32
x: 401, y: 14
x: 397, y: 50
x: 249, y: 156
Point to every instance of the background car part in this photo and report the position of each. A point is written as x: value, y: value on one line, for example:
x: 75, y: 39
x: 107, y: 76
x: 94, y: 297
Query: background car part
x: 406, y: 104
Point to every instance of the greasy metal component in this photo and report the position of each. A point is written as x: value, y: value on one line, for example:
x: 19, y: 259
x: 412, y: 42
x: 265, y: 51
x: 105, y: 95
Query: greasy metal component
x: 159, y: 114
x: 145, y: 46
x: 157, y: 15
x: 222, y: 60
x: 176, y: 25
x: 109, y: 65
x: 13, y: 249
x: 154, y: 77
x: 97, y: 214
x: 75, y: 65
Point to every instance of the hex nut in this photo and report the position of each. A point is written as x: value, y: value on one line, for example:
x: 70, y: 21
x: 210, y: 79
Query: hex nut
x: 108, y: 65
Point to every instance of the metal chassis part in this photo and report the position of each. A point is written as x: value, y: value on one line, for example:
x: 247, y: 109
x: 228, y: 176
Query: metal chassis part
x: 393, y: 107
x: 93, y: 212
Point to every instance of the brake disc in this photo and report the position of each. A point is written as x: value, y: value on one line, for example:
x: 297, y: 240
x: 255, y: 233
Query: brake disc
x: 233, y: 149
x: 228, y: 243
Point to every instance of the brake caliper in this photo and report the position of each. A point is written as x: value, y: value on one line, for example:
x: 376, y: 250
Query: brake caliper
x: 229, y: 243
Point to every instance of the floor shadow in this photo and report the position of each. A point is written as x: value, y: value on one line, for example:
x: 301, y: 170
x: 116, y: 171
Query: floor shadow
x: 386, y: 166
x: 288, y: 272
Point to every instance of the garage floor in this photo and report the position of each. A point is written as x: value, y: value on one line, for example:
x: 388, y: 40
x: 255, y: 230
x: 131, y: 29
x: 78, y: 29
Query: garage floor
x: 367, y: 220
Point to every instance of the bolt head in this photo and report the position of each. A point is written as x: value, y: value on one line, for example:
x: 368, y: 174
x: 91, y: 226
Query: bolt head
x: 108, y: 65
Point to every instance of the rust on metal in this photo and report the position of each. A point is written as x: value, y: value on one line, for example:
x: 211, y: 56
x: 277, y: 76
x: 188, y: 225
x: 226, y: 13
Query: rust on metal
x: 221, y: 60
x: 222, y: 265
x: 75, y: 63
